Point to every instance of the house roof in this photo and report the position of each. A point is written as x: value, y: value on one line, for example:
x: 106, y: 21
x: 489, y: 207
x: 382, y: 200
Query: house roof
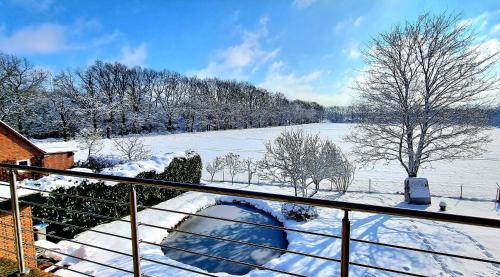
x: 21, y: 137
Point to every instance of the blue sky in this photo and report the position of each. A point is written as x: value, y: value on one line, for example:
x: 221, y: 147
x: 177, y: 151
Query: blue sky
x: 307, y: 49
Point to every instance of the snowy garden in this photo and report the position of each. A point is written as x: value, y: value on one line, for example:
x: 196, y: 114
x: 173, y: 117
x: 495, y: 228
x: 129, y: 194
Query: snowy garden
x: 478, y: 200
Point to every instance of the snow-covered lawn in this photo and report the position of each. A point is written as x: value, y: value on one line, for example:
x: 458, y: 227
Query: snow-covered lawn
x: 424, y: 234
x: 479, y: 176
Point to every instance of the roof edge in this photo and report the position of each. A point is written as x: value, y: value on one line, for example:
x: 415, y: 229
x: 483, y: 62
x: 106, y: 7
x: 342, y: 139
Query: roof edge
x: 23, y: 138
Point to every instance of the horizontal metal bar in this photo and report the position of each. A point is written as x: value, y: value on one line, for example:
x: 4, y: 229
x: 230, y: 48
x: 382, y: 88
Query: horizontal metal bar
x: 74, y: 211
x: 223, y: 259
x: 185, y: 213
x: 86, y: 260
x: 427, y: 251
x: 66, y: 239
x: 243, y: 242
x: 76, y: 196
x: 72, y: 270
x: 83, y: 243
x: 244, y: 222
x: 387, y: 269
x: 79, y: 227
x: 53, y: 264
x: 453, y: 218
x: 178, y: 267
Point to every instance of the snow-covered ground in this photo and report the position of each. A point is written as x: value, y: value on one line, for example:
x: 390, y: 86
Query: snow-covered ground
x: 424, y: 234
x: 478, y: 176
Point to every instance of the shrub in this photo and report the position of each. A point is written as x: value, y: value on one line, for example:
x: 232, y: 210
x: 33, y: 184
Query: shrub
x: 98, y: 163
x: 299, y: 212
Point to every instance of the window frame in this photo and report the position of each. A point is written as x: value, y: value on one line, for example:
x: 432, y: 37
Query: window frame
x: 24, y: 160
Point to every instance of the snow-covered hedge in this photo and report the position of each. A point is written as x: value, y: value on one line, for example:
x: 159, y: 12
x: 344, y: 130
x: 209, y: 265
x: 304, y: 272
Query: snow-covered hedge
x: 98, y: 163
x: 180, y: 168
x: 299, y: 212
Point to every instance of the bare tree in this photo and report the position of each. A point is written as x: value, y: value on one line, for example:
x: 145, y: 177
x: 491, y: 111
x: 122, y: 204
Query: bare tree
x: 232, y: 163
x: 422, y: 94
x: 315, y: 159
x: 215, y: 166
x: 90, y: 139
x: 343, y: 174
x: 284, y: 159
x: 250, y: 167
x: 132, y: 148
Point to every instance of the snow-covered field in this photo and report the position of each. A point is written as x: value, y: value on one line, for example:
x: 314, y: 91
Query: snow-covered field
x: 424, y: 234
x: 478, y: 176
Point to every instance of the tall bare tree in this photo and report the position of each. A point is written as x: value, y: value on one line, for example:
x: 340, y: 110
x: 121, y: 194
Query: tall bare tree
x: 422, y: 94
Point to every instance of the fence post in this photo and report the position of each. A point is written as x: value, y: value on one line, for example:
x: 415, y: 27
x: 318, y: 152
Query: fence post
x: 16, y: 216
x: 133, y: 228
x: 346, y: 234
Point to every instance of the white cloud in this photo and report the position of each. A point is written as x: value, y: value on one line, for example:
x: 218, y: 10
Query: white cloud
x: 496, y: 28
x: 352, y: 51
x: 302, y: 4
x: 133, y: 56
x: 239, y: 60
x: 49, y: 38
x: 38, y: 39
x: 358, y: 21
x: 479, y: 21
x: 306, y: 87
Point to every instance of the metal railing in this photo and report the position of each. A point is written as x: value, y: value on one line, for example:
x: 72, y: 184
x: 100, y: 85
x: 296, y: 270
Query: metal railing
x: 134, y: 222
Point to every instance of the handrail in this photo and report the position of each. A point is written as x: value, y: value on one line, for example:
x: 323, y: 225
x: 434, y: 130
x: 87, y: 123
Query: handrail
x: 453, y: 218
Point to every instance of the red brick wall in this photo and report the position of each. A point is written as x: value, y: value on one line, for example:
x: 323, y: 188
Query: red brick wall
x: 6, y: 230
x: 64, y: 160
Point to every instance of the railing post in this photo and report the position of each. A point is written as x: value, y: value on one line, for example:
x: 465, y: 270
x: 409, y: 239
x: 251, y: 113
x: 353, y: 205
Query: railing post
x: 133, y: 228
x: 16, y: 216
x: 346, y: 234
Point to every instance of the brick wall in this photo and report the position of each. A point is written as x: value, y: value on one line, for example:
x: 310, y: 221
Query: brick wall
x: 63, y: 160
x: 7, y: 231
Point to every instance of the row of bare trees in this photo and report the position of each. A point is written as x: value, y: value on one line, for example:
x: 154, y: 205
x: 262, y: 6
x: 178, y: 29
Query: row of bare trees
x: 294, y: 158
x: 118, y: 99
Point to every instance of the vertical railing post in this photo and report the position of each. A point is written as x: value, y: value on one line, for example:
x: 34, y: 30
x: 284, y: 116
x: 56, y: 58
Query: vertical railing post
x: 133, y: 228
x: 16, y: 216
x: 346, y: 235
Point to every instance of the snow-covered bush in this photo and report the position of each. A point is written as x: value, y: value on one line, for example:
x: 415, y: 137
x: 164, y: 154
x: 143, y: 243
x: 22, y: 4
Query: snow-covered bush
x: 299, y: 212
x: 98, y: 163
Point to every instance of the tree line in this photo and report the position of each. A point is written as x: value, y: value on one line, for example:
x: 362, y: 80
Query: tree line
x: 115, y: 99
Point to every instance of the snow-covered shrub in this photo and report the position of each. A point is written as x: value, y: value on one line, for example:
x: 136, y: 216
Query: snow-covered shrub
x: 98, y: 163
x: 299, y: 212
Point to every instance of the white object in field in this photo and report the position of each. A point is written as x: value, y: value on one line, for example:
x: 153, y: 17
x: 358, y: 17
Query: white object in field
x: 417, y: 191
x: 442, y: 206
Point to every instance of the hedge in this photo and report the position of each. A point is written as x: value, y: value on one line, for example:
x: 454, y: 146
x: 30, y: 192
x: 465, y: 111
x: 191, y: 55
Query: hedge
x: 181, y: 169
